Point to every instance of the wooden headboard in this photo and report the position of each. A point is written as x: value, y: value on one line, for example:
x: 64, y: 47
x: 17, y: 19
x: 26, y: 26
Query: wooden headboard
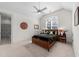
x: 54, y: 31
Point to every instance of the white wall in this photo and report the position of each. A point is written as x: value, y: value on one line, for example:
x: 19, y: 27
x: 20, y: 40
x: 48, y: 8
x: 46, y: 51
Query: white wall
x: 75, y: 33
x: 64, y: 20
x: 24, y: 12
x: 18, y: 34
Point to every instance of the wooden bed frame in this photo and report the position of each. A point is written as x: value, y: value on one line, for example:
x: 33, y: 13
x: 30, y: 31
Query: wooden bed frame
x: 47, y: 44
x: 42, y: 43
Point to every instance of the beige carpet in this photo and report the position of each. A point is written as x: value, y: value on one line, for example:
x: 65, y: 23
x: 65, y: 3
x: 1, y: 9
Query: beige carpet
x: 32, y: 50
x: 58, y: 50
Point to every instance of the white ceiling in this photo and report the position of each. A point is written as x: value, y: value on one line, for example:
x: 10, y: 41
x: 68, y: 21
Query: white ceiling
x: 68, y: 5
x: 27, y: 7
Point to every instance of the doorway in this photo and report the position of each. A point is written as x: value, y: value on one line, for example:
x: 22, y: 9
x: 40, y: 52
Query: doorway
x: 5, y: 28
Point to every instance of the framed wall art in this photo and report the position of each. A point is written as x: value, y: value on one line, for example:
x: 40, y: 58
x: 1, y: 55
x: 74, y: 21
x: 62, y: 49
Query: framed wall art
x: 23, y: 25
x: 36, y: 26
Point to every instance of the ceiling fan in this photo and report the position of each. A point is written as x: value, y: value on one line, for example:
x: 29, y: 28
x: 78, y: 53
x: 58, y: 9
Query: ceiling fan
x: 38, y: 10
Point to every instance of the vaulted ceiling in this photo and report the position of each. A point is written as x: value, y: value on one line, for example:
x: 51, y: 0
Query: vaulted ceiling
x: 27, y: 7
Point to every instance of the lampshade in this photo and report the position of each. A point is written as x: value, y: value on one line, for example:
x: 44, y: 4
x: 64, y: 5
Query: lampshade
x: 63, y: 29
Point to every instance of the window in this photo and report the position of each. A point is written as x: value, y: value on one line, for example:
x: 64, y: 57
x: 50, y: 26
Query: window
x: 52, y: 22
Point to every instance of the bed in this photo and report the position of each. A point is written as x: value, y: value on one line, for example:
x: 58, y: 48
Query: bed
x: 44, y: 40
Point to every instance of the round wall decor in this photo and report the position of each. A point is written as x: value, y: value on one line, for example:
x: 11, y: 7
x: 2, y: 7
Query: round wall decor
x: 23, y: 25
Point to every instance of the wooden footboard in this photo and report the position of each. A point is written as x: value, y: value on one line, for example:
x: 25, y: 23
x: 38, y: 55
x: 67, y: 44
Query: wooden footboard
x: 44, y: 44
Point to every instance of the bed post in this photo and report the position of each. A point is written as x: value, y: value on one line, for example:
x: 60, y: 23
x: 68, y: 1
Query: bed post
x: 48, y: 50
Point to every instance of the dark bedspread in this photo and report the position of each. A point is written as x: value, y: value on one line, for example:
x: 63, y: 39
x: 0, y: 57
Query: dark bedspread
x: 45, y: 37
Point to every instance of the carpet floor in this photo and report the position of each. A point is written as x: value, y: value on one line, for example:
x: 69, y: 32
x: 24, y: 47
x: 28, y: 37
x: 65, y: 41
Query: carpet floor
x: 58, y: 50
x: 32, y: 50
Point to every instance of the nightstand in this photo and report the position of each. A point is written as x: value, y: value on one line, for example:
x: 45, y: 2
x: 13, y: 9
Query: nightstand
x: 62, y: 38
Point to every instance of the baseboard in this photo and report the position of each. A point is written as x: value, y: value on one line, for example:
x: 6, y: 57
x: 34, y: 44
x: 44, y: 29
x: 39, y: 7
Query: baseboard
x: 23, y: 42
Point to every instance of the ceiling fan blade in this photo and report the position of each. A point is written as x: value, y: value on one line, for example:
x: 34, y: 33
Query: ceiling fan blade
x: 43, y: 9
x: 35, y: 8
